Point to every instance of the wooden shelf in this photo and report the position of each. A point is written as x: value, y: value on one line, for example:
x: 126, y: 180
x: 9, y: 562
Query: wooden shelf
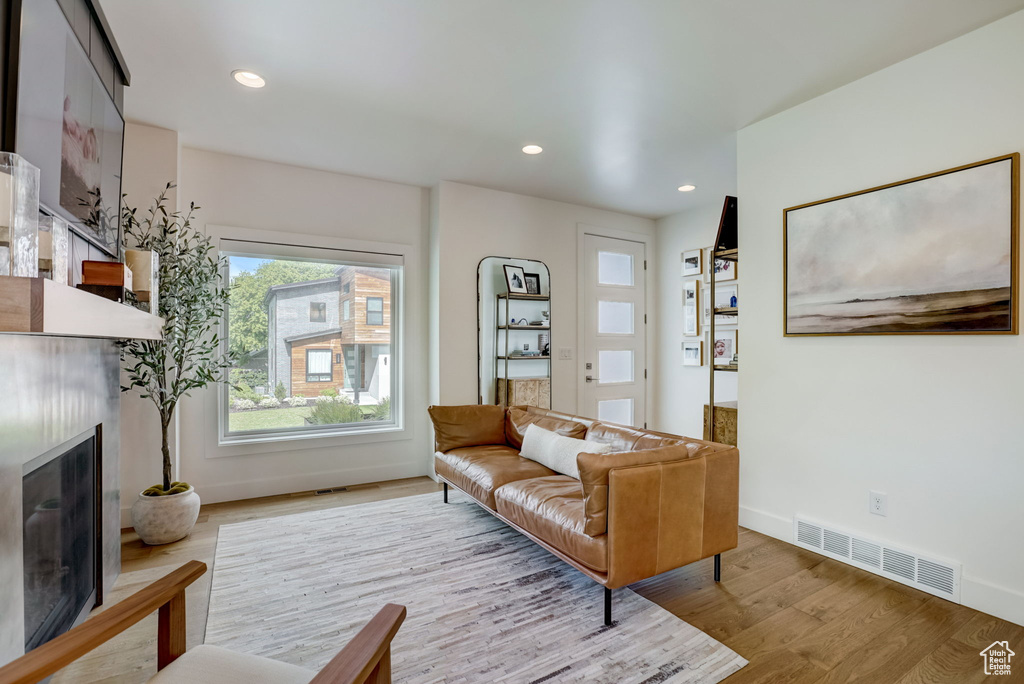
x: 532, y: 298
x: 727, y: 311
x: 728, y: 369
x: 728, y: 254
x: 524, y: 358
x: 524, y: 327
x: 43, y: 307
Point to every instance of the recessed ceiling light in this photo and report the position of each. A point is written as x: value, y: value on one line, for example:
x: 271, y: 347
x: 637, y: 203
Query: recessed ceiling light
x: 248, y: 78
x: 687, y: 188
x: 533, y: 149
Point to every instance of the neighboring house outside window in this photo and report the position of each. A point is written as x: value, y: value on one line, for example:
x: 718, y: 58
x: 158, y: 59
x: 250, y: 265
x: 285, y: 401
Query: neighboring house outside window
x: 318, y: 365
x: 318, y: 312
x: 346, y: 288
x: 374, y: 311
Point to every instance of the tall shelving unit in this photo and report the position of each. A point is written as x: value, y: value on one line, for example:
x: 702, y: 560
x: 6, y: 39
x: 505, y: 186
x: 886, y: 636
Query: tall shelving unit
x: 726, y: 248
x: 504, y: 333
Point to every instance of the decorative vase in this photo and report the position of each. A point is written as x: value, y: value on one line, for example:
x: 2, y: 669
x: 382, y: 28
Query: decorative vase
x: 165, y: 519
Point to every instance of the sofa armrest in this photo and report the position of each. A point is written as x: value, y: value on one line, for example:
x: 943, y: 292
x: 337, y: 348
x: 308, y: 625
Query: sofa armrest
x: 596, y: 468
x: 668, y: 514
x: 465, y: 426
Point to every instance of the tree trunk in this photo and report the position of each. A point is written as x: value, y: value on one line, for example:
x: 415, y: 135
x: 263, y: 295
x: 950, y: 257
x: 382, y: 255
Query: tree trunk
x: 165, y: 420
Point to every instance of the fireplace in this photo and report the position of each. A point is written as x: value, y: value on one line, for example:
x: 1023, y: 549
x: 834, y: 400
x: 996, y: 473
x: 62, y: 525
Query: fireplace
x: 61, y: 535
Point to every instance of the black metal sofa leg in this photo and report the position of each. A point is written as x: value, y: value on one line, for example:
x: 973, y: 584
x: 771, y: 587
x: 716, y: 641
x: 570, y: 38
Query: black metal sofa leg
x: 446, y: 493
x: 718, y: 567
x: 607, y: 607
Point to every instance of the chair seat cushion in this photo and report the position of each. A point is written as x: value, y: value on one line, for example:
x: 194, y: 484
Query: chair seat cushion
x: 551, y: 509
x: 214, y: 665
x: 479, y: 470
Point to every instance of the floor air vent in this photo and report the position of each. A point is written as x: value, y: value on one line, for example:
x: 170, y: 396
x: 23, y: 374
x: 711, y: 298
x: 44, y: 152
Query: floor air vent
x: 938, y: 577
x: 332, y: 490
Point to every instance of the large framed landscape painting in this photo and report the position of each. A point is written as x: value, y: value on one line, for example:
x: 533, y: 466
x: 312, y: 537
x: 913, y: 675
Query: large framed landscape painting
x: 929, y: 255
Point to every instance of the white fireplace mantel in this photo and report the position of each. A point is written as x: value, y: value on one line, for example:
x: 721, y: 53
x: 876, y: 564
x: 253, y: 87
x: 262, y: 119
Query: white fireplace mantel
x: 41, y: 306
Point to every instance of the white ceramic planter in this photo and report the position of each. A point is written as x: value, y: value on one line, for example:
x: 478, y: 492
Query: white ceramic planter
x: 165, y: 519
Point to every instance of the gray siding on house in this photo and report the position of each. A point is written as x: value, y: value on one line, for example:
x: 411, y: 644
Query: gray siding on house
x: 288, y: 314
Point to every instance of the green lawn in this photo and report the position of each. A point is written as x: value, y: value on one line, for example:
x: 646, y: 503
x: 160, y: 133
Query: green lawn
x: 272, y: 419
x: 268, y: 419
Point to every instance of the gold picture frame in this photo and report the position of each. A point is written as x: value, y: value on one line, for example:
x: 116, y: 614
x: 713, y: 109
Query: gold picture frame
x: 934, y: 210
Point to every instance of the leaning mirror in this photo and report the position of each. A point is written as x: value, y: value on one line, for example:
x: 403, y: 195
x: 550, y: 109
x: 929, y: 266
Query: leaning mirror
x: 514, y: 332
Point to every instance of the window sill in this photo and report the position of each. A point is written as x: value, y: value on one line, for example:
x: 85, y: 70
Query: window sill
x: 314, y: 438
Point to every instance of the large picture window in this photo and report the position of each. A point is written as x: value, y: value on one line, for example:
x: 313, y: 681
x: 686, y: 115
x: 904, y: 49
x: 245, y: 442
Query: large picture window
x: 302, y: 371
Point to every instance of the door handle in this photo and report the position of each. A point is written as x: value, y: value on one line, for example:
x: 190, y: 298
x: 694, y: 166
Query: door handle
x: 590, y: 378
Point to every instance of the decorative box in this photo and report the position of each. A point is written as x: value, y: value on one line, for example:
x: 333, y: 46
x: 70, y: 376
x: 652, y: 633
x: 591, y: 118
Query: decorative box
x: 106, y: 273
x: 19, y: 217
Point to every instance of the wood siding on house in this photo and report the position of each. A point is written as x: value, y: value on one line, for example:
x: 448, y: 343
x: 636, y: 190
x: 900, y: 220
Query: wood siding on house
x: 298, y: 353
x: 364, y: 283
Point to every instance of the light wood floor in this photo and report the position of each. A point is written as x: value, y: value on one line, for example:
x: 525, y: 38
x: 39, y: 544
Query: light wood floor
x: 796, y: 616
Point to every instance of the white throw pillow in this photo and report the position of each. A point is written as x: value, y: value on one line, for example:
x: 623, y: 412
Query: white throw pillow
x: 556, y: 451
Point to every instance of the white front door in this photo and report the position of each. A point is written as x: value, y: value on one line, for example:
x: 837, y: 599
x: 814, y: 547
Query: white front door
x: 615, y: 330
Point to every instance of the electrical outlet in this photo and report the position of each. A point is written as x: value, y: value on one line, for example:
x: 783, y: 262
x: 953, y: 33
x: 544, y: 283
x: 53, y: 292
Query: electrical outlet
x: 565, y: 353
x: 878, y: 503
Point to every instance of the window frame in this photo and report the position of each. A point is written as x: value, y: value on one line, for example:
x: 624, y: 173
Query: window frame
x: 381, y: 312
x: 234, y: 242
x: 321, y: 308
x: 330, y: 364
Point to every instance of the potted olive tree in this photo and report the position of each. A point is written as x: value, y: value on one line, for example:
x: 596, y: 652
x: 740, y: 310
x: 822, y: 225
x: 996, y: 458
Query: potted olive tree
x: 192, y: 299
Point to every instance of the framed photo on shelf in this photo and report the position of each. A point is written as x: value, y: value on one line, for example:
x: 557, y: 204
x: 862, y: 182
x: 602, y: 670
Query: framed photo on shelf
x: 693, y: 353
x: 691, y: 314
x: 693, y: 262
x: 724, y: 346
x: 515, y: 278
x: 532, y: 283
x: 724, y: 270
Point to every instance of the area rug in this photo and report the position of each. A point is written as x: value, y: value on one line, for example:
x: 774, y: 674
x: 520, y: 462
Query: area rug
x: 485, y: 604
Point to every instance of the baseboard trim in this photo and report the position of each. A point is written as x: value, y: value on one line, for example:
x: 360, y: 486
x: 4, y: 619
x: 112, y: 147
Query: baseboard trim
x: 1005, y: 604
x: 767, y: 523
x: 252, y: 489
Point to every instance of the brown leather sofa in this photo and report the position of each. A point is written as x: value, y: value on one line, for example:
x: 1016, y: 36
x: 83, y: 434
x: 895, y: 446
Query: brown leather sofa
x: 656, y: 503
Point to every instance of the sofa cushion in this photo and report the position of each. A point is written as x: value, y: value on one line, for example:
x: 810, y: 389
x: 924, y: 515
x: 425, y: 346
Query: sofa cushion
x: 214, y: 665
x: 551, y: 509
x: 557, y: 452
x: 479, y: 470
x: 465, y: 426
x: 517, y: 420
x: 594, y: 469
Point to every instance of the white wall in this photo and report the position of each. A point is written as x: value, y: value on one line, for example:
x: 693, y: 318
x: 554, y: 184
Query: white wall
x: 150, y: 162
x: 473, y: 223
x: 933, y: 421
x: 682, y: 391
x: 282, y: 200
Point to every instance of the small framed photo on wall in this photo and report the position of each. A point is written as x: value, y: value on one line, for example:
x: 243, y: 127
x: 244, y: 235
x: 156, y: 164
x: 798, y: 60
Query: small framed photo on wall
x: 515, y: 278
x: 693, y: 262
x: 691, y: 317
x: 693, y: 353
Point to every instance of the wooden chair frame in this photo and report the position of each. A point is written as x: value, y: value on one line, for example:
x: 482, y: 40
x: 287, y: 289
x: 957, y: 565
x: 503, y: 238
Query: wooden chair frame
x: 365, y: 659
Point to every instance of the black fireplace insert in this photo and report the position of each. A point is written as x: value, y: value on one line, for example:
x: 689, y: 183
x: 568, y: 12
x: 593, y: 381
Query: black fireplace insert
x: 61, y: 538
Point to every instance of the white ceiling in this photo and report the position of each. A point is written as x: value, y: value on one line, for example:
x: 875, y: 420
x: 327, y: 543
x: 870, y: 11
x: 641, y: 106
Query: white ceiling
x: 629, y: 98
